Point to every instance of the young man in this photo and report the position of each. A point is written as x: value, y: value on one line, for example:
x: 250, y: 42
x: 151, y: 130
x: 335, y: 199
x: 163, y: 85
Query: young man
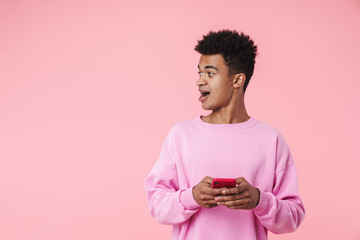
x: 227, y: 143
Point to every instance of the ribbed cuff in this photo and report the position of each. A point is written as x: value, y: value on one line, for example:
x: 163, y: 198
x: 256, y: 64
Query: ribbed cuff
x: 187, y: 199
x: 261, y: 208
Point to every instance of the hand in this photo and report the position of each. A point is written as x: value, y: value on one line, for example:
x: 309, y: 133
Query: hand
x: 204, y: 195
x: 244, y: 196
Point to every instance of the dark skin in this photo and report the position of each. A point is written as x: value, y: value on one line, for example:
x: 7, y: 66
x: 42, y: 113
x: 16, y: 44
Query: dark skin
x: 243, y: 196
x: 226, y: 100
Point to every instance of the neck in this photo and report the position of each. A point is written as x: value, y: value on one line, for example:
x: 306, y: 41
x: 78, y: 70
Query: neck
x: 233, y: 113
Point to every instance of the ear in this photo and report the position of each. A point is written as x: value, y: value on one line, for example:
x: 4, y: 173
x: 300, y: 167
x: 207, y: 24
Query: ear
x: 239, y: 80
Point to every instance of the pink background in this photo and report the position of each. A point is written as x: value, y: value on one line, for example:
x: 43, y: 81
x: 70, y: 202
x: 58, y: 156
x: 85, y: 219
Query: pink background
x: 89, y: 90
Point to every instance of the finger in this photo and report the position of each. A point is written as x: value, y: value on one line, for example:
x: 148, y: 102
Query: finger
x: 215, y: 191
x: 235, y: 203
x: 228, y: 198
x: 240, y: 180
x: 210, y: 202
x: 227, y: 191
x: 205, y: 197
x: 243, y: 186
x: 207, y: 179
x: 212, y: 191
x: 210, y: 205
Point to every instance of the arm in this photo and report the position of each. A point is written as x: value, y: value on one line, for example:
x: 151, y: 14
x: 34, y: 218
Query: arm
x: 168, y: 203
x: 282, y: 211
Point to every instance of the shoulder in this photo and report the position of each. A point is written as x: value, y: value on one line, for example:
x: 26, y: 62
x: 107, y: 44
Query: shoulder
x: 279, y: 144
x: 182, y: 126
x: 178, y: 130
x: 267, y: 129
x: 272, y: 135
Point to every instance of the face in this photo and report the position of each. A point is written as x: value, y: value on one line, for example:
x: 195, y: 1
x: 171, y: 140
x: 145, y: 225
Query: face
x: 213, y: 78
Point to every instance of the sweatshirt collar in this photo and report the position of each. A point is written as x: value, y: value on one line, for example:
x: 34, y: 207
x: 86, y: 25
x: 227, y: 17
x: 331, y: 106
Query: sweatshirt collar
x: 223, y: 127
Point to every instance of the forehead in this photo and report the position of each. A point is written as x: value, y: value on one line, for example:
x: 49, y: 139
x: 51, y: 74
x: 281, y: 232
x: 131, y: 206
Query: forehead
x: 215, y: 60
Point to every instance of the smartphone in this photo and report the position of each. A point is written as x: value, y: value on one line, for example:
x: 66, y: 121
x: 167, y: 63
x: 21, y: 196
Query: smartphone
x: 223, y: 182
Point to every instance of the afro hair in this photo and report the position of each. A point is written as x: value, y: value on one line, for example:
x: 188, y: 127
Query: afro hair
x: 238, y: 51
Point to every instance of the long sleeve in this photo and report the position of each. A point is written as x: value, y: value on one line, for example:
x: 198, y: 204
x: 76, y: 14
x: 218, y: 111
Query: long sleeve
x: 168, y: 203
x: 281, y: 210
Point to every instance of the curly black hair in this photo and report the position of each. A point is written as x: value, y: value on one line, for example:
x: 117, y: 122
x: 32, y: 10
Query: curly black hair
x: 238, y: 51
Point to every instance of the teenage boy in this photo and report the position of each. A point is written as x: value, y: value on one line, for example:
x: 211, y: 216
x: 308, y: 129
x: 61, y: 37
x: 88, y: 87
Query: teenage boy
x: 227, y: 143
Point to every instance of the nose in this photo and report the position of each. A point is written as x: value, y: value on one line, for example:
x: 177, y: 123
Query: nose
x: 200, y: 81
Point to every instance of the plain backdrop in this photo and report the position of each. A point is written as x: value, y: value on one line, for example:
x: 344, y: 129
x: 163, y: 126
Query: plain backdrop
x: 89, y: 90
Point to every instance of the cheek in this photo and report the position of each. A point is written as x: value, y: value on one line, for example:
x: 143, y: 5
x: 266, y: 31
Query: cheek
x: 224, y: 91
x: 220, y: 96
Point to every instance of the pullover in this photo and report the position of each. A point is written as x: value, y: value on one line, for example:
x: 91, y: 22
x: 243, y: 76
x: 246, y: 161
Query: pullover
x: 254, y: 150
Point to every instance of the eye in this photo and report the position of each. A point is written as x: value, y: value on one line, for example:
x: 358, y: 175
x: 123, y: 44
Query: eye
x: 210, y: 74
x: 200, y: 74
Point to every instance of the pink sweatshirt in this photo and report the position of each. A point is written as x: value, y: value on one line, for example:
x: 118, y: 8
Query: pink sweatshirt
x: 254, y: 150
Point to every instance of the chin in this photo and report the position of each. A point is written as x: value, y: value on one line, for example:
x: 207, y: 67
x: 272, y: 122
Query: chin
x: 207, y: 107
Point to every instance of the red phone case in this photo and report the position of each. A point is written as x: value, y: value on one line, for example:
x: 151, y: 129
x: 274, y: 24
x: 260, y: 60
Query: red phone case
x: 223, y: 182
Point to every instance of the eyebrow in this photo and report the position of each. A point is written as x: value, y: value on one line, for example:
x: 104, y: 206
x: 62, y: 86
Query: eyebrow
x: 209, y: 66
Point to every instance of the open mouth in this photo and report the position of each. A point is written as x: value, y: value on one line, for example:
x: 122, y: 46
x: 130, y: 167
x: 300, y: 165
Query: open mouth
x: 204, y: 94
